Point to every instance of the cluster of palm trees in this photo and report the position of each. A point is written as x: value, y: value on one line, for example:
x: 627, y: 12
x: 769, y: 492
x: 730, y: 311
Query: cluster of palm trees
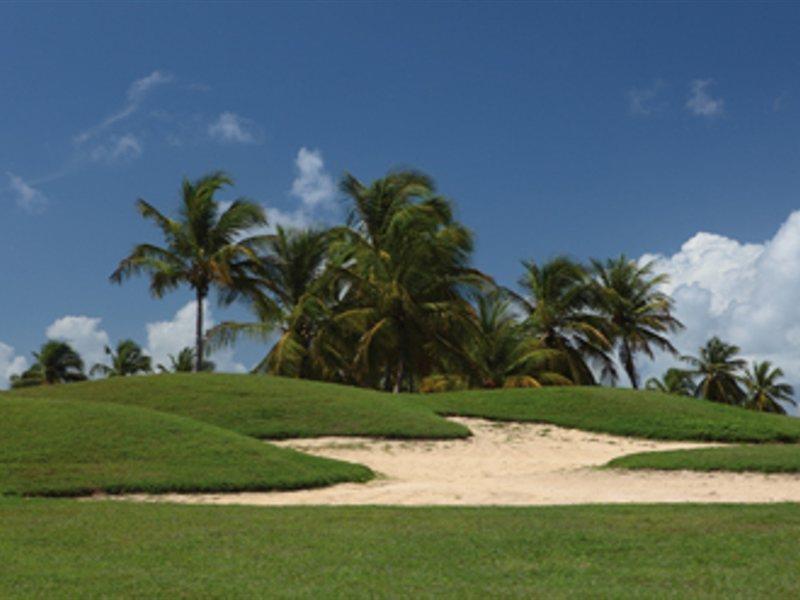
x: 720, y: 375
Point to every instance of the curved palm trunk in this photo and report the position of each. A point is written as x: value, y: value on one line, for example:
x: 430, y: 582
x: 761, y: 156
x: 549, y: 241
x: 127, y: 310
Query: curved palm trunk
x: 198, y: 363
x: 630, y: 366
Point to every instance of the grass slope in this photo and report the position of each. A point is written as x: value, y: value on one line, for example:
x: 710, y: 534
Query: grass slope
x: 766, y: 458
x: 619, y: 411
x: 265, y: 407
x: 55, y: 447
x: 67, y: 549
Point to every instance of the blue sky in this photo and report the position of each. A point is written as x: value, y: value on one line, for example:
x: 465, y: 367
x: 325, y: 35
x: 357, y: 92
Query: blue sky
x: 586, y: 129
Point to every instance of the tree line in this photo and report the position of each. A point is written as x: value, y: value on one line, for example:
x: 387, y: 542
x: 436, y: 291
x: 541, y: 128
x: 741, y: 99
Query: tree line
x: 390, y: 299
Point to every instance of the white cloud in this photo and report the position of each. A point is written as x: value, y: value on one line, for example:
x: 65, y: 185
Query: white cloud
x: 170, y: 337
x: 83, y: 334
x: 745, y: 293
x: 700, y: 102
x: 137, y: 93
x: 644, y: 101
x: 10, y: 364
x: 126, y: 147
x: 231, y: 128
x: 26, y: 196
x: 313, y: 185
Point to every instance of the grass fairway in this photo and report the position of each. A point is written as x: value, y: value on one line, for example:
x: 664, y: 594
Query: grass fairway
x: 54, y: 447
x: 265, y: 407
x: 67, y: 549
x: 621, y: 412
x: 766, y: 458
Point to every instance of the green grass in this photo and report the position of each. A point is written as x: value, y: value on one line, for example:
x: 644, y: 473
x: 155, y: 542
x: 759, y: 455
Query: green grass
x: 619, y: 411
x: 55, y: 447
x: 766, y: 458
x: 68, y: 549
x: 265, y: 407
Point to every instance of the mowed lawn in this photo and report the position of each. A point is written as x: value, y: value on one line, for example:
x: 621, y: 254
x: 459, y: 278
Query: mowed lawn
x: 765, y: 458
x: 62, y: 447
x: 617, y: 411
x: 69, y: 549
x: 264, y: 406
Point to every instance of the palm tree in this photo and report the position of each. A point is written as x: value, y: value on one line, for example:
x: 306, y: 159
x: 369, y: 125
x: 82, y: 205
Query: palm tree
x: 128, y: 359
x: 403, y: 266
x: 205, y: 247
x: 558, y: 308
x: 640, y: 314
x: 718, y: 368
x: 56, y: 362
x: 764, y: 392
x: 289, y: 296
x: 674, y: 381
x: 186, y: 362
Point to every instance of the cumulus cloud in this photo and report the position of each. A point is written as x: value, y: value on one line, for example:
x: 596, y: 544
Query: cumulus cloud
x: 135, y: 96
x: 170, y: 337
x: 10, y: 364
x: 231, y: 128
x: 83, y: 334
x: 126, y: 147
x: 27, y: 197
x: 644, y: 101
x: 700, y: 102
x: 313, y: 185
x: 745, y: 293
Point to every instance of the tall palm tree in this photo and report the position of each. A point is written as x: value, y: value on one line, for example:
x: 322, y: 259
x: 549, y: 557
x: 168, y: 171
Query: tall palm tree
x: 557, y: 302
x: 185, y: 362
x: 56, y: 362
x: 674, y: 381
x: 718, y: 368
x: 205, y: 247
x: 289, y: 296
x: 640, y: 314
x: 764, y: 392
x: 127, y: 359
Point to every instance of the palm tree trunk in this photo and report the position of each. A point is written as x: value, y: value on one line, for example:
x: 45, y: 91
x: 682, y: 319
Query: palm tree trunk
x: 198, y: 364
x: 398, y: 377
x: 630, y: 367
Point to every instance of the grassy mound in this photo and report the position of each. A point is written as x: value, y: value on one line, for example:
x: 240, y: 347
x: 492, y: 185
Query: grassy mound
x: 766, y: 458
x: 66, y: 549
x: 265, y: 407
x: 55, y: 447
x: 619, y: 411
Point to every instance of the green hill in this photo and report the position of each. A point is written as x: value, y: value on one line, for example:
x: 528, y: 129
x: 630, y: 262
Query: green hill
x: 265, y: 407
x: 67, y: 448
x: 619, y: 411
x: 766, y: 458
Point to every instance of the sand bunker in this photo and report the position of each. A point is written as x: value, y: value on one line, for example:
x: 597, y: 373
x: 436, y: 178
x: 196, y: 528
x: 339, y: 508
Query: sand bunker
x: 509, y: 464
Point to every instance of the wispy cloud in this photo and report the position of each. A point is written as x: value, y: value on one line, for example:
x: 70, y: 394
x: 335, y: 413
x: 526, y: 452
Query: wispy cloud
x: 26, y: 196
x: 231, y: 128
x: 700, y: 102
x: 780, y: 102
x: 121, y: 148
x: 645, y: 101
x: 136, y: 94
x: 313, y: 185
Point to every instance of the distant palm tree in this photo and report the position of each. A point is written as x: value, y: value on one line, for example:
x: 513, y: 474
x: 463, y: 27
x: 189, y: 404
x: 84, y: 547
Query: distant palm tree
x: 764, y: 392
x: 56, y: 362
x: 718, y: 368
x: 186, y: 362
x: 640, y: 314
x: 128, y: 359
x: 675, y: 381
x: 557, y: 301
x: 205, y: 247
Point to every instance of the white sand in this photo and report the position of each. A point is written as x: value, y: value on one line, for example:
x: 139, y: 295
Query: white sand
x: 511, y: 464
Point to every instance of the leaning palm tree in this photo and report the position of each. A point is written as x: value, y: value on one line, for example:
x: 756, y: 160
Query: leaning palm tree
x: 628, y: 295
x: 56, y: 362
x: 185, y: 362
x: 674, y: 381
x: 557, y: 302
x: 718, y: 368
x: 205, y: 247
x: 764, y: 392
x: 127, y: 359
